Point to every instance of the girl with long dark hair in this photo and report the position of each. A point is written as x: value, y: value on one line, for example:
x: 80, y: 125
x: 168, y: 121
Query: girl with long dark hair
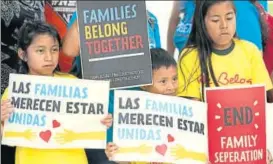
x: 215, y: 57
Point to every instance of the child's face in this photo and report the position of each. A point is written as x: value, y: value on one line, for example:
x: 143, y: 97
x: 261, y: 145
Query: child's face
x: 43, y: 55
x: 220, y: 23
x: 164, y: 81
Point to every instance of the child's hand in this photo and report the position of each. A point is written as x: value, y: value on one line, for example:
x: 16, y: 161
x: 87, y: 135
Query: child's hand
x: 6, y: 109
x: 110, y: 150
x: 107, y: 121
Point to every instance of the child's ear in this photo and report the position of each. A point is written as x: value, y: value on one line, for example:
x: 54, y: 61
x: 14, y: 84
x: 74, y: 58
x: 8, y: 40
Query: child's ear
x: 22, y: 55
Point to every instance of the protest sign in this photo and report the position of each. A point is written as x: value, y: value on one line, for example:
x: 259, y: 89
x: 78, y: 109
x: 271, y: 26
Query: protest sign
x: 114, y: 42
x: 157, y: 128
x: 236, y: 124
x: 56, y: 112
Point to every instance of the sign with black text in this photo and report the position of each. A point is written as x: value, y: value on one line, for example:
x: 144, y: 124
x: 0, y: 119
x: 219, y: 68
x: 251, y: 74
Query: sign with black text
x: 114, y: 42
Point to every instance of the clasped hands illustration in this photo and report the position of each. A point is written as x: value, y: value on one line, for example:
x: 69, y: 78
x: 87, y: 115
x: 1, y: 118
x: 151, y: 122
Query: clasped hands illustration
x: 61, y: 137
x: 178, y: 152
x: 64, y: 137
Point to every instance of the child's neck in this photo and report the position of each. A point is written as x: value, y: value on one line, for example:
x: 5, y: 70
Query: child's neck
x: 224, y: 50
x: 223, y: 47
x: 36, y: 74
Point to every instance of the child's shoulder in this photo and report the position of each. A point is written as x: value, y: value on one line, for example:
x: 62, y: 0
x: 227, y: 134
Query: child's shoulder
x: 188, y: 54
x: 245, y: 44
x: 247, y: 49
x: 64, y: 75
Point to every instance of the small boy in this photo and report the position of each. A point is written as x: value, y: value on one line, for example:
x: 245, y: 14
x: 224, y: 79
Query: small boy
x: 164, y: 82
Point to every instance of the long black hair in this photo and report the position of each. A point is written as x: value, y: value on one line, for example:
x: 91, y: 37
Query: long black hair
x: 27, y: 33
x: 200, y: 40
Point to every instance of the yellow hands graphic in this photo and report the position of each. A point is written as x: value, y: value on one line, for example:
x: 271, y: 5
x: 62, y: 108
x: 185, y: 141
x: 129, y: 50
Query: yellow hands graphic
x: 65, y: 137
x: 27, y: 134
x: 70, y: 136
x: 142, y: 149
x: 179, y: 152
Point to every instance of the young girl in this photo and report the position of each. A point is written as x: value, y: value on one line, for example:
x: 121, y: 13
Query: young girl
x: 38, y: 49
x: 215, y: 57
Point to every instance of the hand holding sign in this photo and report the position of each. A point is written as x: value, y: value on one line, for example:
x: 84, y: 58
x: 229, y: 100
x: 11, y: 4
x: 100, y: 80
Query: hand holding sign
x: 6, y: 109
x: 107, y: 121
x: 27, y: 134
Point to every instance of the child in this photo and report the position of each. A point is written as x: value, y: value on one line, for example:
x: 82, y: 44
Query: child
x: 246, y: 13
x: 39, y: 45
x: 214, y: 57
x: 164, y: 82
x: 71, y: 47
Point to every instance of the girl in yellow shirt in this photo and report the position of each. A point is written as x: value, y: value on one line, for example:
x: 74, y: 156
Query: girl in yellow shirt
x: 39, y: 45
x: 214, y: 57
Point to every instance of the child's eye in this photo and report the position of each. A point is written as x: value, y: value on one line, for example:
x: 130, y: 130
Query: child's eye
x: 40, y: 51
x: 175, y: 79
x: 55, y: 50
x: 229, y: 18
x: 215, y: 21
x: 163, y: 81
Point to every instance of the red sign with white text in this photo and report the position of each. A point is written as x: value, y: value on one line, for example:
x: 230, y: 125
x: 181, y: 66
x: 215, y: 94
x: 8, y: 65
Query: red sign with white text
x: 236, y: 125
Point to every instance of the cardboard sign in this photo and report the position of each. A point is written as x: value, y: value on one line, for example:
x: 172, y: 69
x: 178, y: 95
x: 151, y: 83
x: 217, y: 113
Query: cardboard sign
x: 236, y: 121
x: 114, y: 42
x: 56, y: 112
x: 157, y: 128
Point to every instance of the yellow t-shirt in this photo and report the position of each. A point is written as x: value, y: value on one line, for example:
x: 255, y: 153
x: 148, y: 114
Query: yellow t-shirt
x: 242, y: 66
x: 49, y: 156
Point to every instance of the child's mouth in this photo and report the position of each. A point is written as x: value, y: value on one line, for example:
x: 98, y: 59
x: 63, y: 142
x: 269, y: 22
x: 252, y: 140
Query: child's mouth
x: 48, y: 66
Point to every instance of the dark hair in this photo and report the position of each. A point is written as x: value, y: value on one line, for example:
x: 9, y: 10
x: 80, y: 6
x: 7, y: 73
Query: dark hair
x: 263, y: 23
x: 161, y: 58
x: 200, y: 40
x: 26, y: 35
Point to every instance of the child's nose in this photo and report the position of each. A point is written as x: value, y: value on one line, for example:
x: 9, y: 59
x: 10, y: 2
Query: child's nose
x: 171, y: 86
x: 223, y: 24
x: 48, y: 56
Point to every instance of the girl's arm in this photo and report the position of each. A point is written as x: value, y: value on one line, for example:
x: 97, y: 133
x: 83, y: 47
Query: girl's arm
x: 71, y: 41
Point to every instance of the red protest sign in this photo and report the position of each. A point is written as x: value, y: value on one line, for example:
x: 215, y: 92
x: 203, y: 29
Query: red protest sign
x: 236, y: 125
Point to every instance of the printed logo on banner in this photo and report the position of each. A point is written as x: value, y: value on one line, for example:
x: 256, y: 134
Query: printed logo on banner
x: 56, y: 112
x: 236, y: 124
x: 114, y: 42
x: 65, y: 8
x: 157, y: 128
